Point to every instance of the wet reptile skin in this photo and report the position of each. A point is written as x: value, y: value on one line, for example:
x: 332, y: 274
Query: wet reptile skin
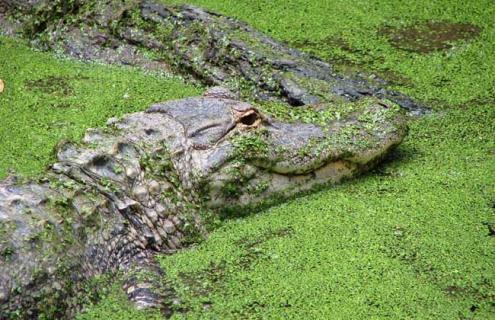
x: 147, y: 183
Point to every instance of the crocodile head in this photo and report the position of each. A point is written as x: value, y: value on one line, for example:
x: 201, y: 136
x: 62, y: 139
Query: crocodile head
x: 238, y: 155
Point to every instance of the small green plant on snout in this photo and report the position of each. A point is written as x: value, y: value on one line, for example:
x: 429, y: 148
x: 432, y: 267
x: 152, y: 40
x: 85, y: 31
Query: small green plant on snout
x: 247, y: 146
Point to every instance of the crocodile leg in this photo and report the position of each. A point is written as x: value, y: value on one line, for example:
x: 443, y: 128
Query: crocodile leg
x: 145, y: 284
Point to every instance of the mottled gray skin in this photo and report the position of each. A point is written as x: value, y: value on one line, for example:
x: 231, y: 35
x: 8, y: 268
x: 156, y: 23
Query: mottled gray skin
x: 153, y: 181
x: 200, y: 44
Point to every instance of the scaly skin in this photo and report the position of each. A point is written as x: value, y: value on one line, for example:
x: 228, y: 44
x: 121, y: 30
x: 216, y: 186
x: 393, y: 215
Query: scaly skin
x: 200, y: 44
x: 153, y: 181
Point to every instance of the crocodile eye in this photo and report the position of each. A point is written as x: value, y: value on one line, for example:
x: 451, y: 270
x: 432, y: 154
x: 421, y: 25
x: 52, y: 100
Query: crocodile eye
x: 249, y: 119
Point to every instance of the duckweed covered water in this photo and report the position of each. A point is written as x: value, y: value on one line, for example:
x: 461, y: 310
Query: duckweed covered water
x: 411, y: 239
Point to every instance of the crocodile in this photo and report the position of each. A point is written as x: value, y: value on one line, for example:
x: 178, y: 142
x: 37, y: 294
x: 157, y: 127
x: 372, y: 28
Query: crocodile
x: 199, y: 44
x: 160, y: 180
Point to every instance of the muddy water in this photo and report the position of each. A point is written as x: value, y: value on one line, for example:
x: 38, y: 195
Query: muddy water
x: 430, y: 36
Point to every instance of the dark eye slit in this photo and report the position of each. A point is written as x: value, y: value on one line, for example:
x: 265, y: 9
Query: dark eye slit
x: 249, y: 119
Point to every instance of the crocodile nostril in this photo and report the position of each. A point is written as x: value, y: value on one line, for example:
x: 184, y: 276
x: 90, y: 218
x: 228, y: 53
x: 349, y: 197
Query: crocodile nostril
x: 249, y: 119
